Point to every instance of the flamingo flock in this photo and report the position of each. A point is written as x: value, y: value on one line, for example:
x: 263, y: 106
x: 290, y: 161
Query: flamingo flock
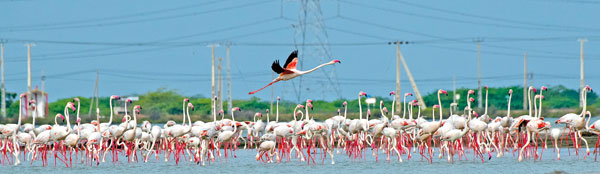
x: 304, y: 139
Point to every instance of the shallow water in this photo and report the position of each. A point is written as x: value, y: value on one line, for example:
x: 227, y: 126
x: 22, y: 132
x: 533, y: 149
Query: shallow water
x: 245, y: 163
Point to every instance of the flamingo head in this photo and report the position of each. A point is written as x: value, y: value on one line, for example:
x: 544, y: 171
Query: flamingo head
x: 78, y: 120
x: 436, y: 106
x: 476, y: 115
x: 258, y: 114
x: 128, y: 101
x: 385, y: 110
x: 71, y: 106
x: 267, y: 111
x: 408, y: 94
x: 139, y: 107
x: 278, y: 98
x: 534, y: 90
x: 234, y: 109
x: 486, y: 87
x: 61, y: 116
x: 381, y: 102
x: 190, y: 105
x: 300, y: 106
x: 22, y: 95
x: 510, y: 92
x: 415, y: 102
x: 76, y: 99
x: 115, y: 97
x: 471, y: 91
x: 587, y: 87
x: 310, y: 106
x: 335, y: 61
x: 345, y: 103
x: 441, y: 91
x: 362, y: 94
x: 124, y: 119
x: 309, y: 101
x: 369, y: 112
x: 392, y: 93
x: 471, y: 99
x: 543, y: 88
x: 215, y: 98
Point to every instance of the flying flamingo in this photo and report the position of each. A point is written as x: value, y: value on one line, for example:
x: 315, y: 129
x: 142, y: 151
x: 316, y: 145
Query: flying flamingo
x: 289, y: 71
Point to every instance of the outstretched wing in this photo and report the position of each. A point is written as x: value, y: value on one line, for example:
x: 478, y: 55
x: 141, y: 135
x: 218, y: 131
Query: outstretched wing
x: 276, y: 67
x: 291, y: 61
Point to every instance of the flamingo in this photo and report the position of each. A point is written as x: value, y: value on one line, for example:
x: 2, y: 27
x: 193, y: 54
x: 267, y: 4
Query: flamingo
x: 289, y: 71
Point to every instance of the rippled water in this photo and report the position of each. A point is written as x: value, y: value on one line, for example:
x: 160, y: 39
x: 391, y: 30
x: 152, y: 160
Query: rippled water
x: 245, y: 163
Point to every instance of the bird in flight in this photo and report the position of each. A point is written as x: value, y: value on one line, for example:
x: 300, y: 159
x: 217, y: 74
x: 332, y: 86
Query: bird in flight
x: 289, y: 71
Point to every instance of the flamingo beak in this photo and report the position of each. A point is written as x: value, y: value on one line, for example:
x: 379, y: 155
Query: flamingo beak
x: 337, y: 61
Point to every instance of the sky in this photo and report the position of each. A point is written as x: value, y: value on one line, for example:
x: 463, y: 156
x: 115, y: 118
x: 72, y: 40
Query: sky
x: 140, y: 46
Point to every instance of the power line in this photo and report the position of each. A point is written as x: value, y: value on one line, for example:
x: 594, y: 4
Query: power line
x: 154, y: 19
x: 493, y: 18
x: 119, y: 17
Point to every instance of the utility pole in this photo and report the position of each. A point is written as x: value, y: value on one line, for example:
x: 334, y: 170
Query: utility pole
x: 94, y: 95
x: 220, y: 85
x: 28, y: 67
x: 398, y: 94
x: 3, y: 89
x: 229, y: 100
x: 479, y: 98
x: 525, y: 82
x: 582, y: 79
x: 411, y: 79
x: 43, y: 81
x: 212, y: 78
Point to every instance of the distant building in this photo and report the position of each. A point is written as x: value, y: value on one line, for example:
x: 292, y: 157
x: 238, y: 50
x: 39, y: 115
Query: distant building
x: 120, y: 108
x: 41, y: 99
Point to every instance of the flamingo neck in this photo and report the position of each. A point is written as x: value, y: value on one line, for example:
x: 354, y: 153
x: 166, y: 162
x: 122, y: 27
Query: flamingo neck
x: 529, y: 101
x: 404, y: 108
x: 233, y: 121
x: 433, y: 114
x: 584, y: 102
x: 68, y: 118
x: 311, y: 70
x: 359, y: 108
x: 277, y: 112
x: 381, y: 110
x: 540, y: 110
x: 509, y: 99
x: 214, y: 111
x: 440, y: 103
x: 345, y: 111
x: 188, y: 115
x: 19, y: 122
x: 294, y: 113
x: 125, y: 107
x: 393, y: 104
x: 535, y: 113
x: 486, y: 101
x: 183, y: 109
x: 111, y: 111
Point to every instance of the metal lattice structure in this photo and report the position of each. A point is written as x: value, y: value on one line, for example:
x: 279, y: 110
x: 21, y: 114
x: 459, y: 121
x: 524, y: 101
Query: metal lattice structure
x: 311, y: 29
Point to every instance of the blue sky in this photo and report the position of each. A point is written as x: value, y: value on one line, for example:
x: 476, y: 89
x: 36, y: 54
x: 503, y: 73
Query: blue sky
x: 139, y: 46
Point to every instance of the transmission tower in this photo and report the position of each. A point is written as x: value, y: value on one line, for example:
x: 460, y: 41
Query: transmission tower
x: 311, y: 29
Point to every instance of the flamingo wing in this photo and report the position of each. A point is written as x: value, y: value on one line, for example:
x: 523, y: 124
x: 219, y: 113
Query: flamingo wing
x: 277, y: 67
x: 291, y: 61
